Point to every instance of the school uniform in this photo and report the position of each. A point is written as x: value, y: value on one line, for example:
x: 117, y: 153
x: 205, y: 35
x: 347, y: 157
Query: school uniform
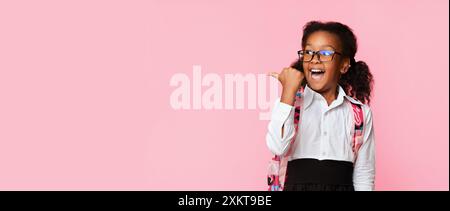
x: 321, y: 157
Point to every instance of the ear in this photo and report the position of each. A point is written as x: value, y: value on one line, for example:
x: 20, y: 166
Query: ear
x: 345, y: 65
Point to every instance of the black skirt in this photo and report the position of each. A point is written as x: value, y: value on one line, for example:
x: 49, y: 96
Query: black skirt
x: 319, y: 175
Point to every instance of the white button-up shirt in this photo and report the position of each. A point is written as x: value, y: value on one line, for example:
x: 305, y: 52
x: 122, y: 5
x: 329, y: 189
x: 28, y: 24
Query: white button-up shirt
x: 325, y: 133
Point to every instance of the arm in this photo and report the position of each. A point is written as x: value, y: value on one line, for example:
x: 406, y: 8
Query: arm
x: 281, y: 128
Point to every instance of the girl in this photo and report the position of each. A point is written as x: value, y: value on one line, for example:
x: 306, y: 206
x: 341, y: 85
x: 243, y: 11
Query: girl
x: 321, y: 155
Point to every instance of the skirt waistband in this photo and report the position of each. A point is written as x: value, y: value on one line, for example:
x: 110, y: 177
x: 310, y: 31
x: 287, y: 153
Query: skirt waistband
x: 306, y: 170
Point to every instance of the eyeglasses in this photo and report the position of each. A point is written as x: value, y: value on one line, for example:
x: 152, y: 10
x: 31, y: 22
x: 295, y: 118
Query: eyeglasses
x: 322, y: 55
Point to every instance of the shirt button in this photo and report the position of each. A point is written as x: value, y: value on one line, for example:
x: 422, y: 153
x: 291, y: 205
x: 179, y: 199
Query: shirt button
x: 325, y: 133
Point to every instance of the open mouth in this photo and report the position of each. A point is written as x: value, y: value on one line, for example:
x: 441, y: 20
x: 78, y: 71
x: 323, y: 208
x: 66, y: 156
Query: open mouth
x: 317, y: 74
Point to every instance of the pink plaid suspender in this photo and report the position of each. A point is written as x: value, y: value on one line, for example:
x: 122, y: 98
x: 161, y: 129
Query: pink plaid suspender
x: 358, y: 129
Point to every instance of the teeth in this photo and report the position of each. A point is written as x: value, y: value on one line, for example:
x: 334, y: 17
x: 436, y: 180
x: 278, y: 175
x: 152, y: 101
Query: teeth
x: 317, y: 71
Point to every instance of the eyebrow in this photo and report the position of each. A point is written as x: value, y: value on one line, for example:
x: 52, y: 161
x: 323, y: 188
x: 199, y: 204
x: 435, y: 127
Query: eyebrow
x: 307, y: 44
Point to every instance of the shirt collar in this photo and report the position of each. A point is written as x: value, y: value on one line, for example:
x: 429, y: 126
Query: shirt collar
x: 309, y: 95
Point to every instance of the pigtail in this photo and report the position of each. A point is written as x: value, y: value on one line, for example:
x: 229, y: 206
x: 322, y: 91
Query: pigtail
x: 358, y: 81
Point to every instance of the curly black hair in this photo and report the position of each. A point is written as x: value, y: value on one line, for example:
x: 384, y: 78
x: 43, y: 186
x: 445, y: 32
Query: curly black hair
x: 357, y: 81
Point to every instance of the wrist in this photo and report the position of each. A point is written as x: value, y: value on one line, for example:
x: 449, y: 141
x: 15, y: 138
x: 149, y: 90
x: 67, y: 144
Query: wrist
x: 288, y: 96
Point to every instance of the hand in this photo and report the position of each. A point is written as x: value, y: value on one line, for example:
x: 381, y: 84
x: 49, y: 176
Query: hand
x: 291, y: 80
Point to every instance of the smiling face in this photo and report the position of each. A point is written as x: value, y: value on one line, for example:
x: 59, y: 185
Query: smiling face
x: 323, y: 76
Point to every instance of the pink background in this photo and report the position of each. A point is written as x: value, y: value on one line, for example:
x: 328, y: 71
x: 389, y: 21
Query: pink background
x: 84, y: 89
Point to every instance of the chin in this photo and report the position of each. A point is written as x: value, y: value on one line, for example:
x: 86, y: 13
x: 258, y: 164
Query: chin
x: 317, y: 87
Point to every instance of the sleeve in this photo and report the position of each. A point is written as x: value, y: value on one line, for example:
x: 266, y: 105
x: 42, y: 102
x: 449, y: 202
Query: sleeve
x: 282, y: 119
x: 364, y: 172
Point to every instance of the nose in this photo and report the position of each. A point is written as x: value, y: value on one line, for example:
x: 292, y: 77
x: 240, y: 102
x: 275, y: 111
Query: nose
x: 315, y: 58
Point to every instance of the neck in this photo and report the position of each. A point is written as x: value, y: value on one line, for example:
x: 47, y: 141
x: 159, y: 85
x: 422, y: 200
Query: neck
x: 330, y: 95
